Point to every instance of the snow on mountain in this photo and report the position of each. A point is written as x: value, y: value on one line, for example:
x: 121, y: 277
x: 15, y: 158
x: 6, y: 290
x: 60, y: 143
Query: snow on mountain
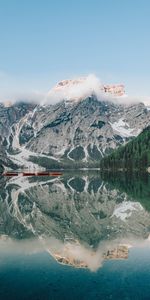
x: 76, y: 129
x: 123, y: 129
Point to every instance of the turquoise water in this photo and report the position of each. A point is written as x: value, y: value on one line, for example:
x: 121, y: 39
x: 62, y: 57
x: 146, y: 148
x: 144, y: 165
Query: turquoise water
x: 40, y: 277
x: 80, y: 218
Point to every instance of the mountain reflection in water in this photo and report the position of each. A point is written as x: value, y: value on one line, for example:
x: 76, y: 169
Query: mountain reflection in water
x: 80, y: 219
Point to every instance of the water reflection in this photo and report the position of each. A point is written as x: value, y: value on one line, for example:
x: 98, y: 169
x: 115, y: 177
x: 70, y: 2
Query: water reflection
x: 80, y: 219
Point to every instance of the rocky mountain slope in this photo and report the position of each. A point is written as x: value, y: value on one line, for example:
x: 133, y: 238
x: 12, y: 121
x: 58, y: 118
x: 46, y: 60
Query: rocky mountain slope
x: 70, y: 132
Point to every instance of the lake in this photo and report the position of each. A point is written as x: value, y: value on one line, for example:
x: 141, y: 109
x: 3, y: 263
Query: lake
x: 78, y: 235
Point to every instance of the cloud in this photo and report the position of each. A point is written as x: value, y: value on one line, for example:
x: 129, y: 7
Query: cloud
x: 74, y: 252
x: 84, y: 87
x: 75, y: 89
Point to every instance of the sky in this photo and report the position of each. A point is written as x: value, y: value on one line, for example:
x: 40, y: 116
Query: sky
x: 45, y: 41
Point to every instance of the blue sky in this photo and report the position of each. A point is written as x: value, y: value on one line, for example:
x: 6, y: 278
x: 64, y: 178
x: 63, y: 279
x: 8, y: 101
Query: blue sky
x: 44, y: 41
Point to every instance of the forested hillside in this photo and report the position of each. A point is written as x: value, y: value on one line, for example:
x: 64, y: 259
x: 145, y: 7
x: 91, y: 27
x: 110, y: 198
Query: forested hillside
x: 135, y: 155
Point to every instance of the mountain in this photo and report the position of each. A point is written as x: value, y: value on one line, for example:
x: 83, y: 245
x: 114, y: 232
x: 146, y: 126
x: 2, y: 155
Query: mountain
x: 10, y: 115
x: 82, y: 207
x: 135, y: 155
x: 72, y: 216
x: 74, y: 132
